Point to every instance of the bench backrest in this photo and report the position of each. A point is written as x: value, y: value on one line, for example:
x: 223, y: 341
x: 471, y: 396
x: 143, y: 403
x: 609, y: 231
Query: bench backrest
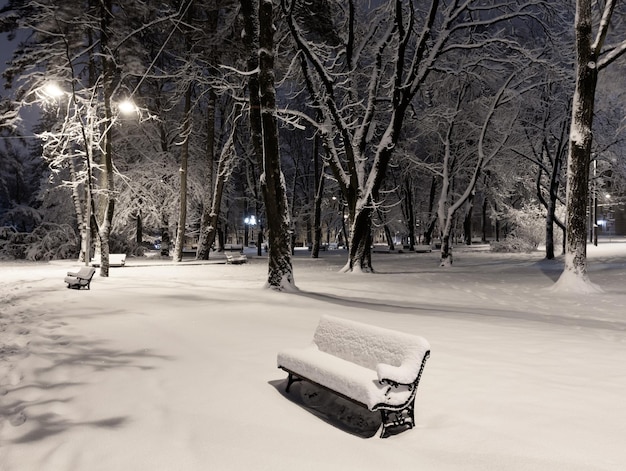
x: 86, y: 272
x: 368, y: 345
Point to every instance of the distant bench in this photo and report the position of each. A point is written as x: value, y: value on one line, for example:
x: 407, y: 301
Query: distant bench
x: 376, y: 368
x: 423, y: 248
x: 236, y: 259
x: 115, y: 260
x: 233, y: 247
x: 80, y: 279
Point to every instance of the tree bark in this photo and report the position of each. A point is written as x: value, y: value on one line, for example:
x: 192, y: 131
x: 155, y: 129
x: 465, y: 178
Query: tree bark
x: 108, y: 71
x: 184, y: 158
x: 206, y: 224
x: 580, y: 146
x: 317, y: 203
x: 259, y: 37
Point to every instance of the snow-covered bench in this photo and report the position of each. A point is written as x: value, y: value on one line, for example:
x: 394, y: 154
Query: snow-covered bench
x: 423, y: 248
x: 115, y: 260
x: 80, y: 279
x: 374, y: 367
x: 236, y: 260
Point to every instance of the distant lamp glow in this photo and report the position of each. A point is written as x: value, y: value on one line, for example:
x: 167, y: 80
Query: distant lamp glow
x: 250, y: 221
x: 607, y: 196
x: 52, y: 90
x: 127, y: 107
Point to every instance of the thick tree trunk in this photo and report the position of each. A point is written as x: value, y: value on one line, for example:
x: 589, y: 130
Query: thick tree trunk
x: 446, y: 250
x: 360, y: 242
x: 580, y: 150
x: 280, y: 274
x: 259, y: 37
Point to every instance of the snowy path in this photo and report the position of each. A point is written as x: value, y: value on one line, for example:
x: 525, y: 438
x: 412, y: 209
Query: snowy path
x: 173, y: 367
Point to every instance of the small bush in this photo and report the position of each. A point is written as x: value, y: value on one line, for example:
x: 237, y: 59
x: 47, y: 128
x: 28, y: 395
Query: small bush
x: 528, y: 230
x: 513, y: 245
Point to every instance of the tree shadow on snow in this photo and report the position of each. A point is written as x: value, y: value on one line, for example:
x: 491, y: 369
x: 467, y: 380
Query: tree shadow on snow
x: 550, y: 268
x: 330, y: 408
x: 51, y: 389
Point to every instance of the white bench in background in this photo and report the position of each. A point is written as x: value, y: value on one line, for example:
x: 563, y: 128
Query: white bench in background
x: 373, y: 367
x: 115, y: 260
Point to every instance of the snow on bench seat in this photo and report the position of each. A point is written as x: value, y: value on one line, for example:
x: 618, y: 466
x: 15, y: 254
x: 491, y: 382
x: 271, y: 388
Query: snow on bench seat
x: 375, y: 367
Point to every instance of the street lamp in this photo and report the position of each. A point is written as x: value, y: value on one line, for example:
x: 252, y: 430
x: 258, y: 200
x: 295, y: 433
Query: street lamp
x: 52, y: 90
x: 127, y: 107
x: 248, y: 221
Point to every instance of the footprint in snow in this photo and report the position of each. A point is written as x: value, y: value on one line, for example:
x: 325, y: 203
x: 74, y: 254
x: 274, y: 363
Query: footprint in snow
x: 18, y: 419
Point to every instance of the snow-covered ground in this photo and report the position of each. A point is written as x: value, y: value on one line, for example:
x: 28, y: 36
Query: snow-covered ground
x: 173, y: 367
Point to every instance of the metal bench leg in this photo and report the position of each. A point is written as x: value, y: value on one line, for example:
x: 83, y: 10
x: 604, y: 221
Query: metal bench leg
x: 393, y: 418
x: 290, y: 380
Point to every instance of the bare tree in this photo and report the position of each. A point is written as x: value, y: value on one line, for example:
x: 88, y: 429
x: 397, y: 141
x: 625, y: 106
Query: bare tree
x: 259, y: 38
x: 364, y: 84
x: 592, y: 55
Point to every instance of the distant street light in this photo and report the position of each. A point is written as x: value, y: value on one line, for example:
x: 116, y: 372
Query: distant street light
x: 127, y: 107
x: 248, y: 221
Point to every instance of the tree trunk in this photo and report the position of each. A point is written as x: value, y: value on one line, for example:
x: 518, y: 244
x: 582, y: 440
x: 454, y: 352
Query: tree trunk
x: 259, y: 37
x: 550, y: 233
x: 360, y: 242
x: 446, y: 249
x: 138, y: 229
x: 409, y: 212
x: 389, y: 237
x: 317, y: 204
x: 280, y: 274
x: 165, y: 235
x: 483, y: 220
x: 184, y: 159
x: 432, y: 215
x: 467, y: 221
x: 108, y: 71
x: 81, y: 216
x: 212, y: 215
x: 580, y: 148
x: 206, y: 221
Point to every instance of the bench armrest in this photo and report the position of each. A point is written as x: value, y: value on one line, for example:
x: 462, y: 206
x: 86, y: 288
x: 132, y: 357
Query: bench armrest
x: 404, y: 374
x: 72, y: 273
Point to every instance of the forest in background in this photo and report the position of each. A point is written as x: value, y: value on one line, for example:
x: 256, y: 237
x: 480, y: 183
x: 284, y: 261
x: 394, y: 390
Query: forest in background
x: 399, y: 123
